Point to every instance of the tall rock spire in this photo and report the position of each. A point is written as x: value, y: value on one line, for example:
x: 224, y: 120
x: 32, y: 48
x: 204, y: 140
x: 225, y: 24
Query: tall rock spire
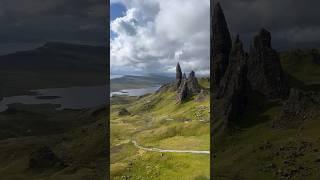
x: 193, y: 84
x: 221, y: 42
x: 178, y: 75
x: 231, y: 95
x: 264, y: 68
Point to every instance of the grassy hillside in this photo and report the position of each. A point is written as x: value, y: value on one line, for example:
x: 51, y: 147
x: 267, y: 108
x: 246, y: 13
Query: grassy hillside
x: 77, y: 137
x: 157, y: 121
x: 302, y: 65
x: 258, y: 151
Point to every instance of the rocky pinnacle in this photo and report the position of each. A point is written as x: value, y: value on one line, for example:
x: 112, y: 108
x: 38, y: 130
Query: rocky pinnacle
x: 178, y: 75
x: 264, y: 69
x: 221, y: 43
x: 193, y: 83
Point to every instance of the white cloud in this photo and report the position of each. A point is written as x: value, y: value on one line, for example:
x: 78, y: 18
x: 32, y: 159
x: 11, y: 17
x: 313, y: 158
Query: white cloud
x: 155, y: 34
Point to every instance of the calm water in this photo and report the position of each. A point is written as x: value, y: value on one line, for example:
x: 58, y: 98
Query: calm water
x: 70, y: 98
x: 136, y: 92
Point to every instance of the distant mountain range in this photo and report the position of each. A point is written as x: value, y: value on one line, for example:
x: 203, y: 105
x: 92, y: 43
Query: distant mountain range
x: 54, y: 64
x: 54, y: 56
x: 132, y: 82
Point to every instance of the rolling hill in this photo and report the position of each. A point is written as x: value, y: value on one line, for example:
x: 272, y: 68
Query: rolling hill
x: 52, y: 65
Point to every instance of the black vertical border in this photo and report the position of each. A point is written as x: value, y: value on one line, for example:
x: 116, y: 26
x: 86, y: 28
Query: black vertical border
x: 211, y: 90
x: 107, y: 122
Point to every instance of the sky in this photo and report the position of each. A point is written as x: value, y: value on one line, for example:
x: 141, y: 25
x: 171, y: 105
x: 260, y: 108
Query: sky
x: 292, y: 23
x: 28, y: 24
x: 151, y: 36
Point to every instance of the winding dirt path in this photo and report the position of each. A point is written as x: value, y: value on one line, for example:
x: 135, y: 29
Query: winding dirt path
x: 166, y: 150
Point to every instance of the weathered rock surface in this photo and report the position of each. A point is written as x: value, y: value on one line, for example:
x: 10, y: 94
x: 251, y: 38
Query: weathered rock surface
x: 44, y: 158
x: 299, y: 107
x: 187, y: 86
x: 184, y: 76
x: 221, y: 45
x: 183, y: 93
x: 192, y: 83
x: 231, y: 95
x: 264, y: 69
x: 178, y: 76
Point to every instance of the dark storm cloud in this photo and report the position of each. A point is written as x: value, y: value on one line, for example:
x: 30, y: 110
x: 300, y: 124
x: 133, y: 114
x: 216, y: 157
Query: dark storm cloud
x: 35, y: 21
x: 290, y: 21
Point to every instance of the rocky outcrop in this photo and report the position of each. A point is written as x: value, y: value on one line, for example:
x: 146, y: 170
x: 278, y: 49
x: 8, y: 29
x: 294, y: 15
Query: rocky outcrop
x: 297, y: 108
x: 237, y: 74
x: 183, y: 93
x: 178, y: 76
x: 124, y: 112
x: 231, y: 95
x: 187, y: 86
x: 192, y: 83
x: 184, y: 76
x: 45, y: 158
x: 221, y: 45
x: 264, y: 69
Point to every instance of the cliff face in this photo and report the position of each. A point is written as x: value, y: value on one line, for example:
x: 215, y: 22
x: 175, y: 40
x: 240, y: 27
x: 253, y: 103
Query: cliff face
x: 221, y: 45
x: 236, y: 74
x: 231, y: 95
x: 264, y: 69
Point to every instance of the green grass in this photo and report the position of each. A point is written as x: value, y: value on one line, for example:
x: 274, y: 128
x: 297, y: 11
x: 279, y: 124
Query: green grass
x: 300, y: 65
x: 258, y: 151
x: 79, y: 142
x: 157, y: 120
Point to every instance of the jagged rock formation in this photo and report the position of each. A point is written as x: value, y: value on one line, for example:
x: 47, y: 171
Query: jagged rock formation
x: 221, y: 42
x: 231, y: 95
x: 237, y: 74
x: 184, y: 92
x: 264, y: 69
x: 178, y: 76
x: 297, y: 108
x: 184, y: 76
x: 192, y: 83
x: 44, y: 158
x: 187, y: 86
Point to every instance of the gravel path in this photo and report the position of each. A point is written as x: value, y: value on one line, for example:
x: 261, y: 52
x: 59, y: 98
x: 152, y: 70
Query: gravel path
x: 166, y: 150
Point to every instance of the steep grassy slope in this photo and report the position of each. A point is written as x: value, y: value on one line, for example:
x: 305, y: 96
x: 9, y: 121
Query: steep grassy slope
x: 259, y: 151
x: 157, y: 121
